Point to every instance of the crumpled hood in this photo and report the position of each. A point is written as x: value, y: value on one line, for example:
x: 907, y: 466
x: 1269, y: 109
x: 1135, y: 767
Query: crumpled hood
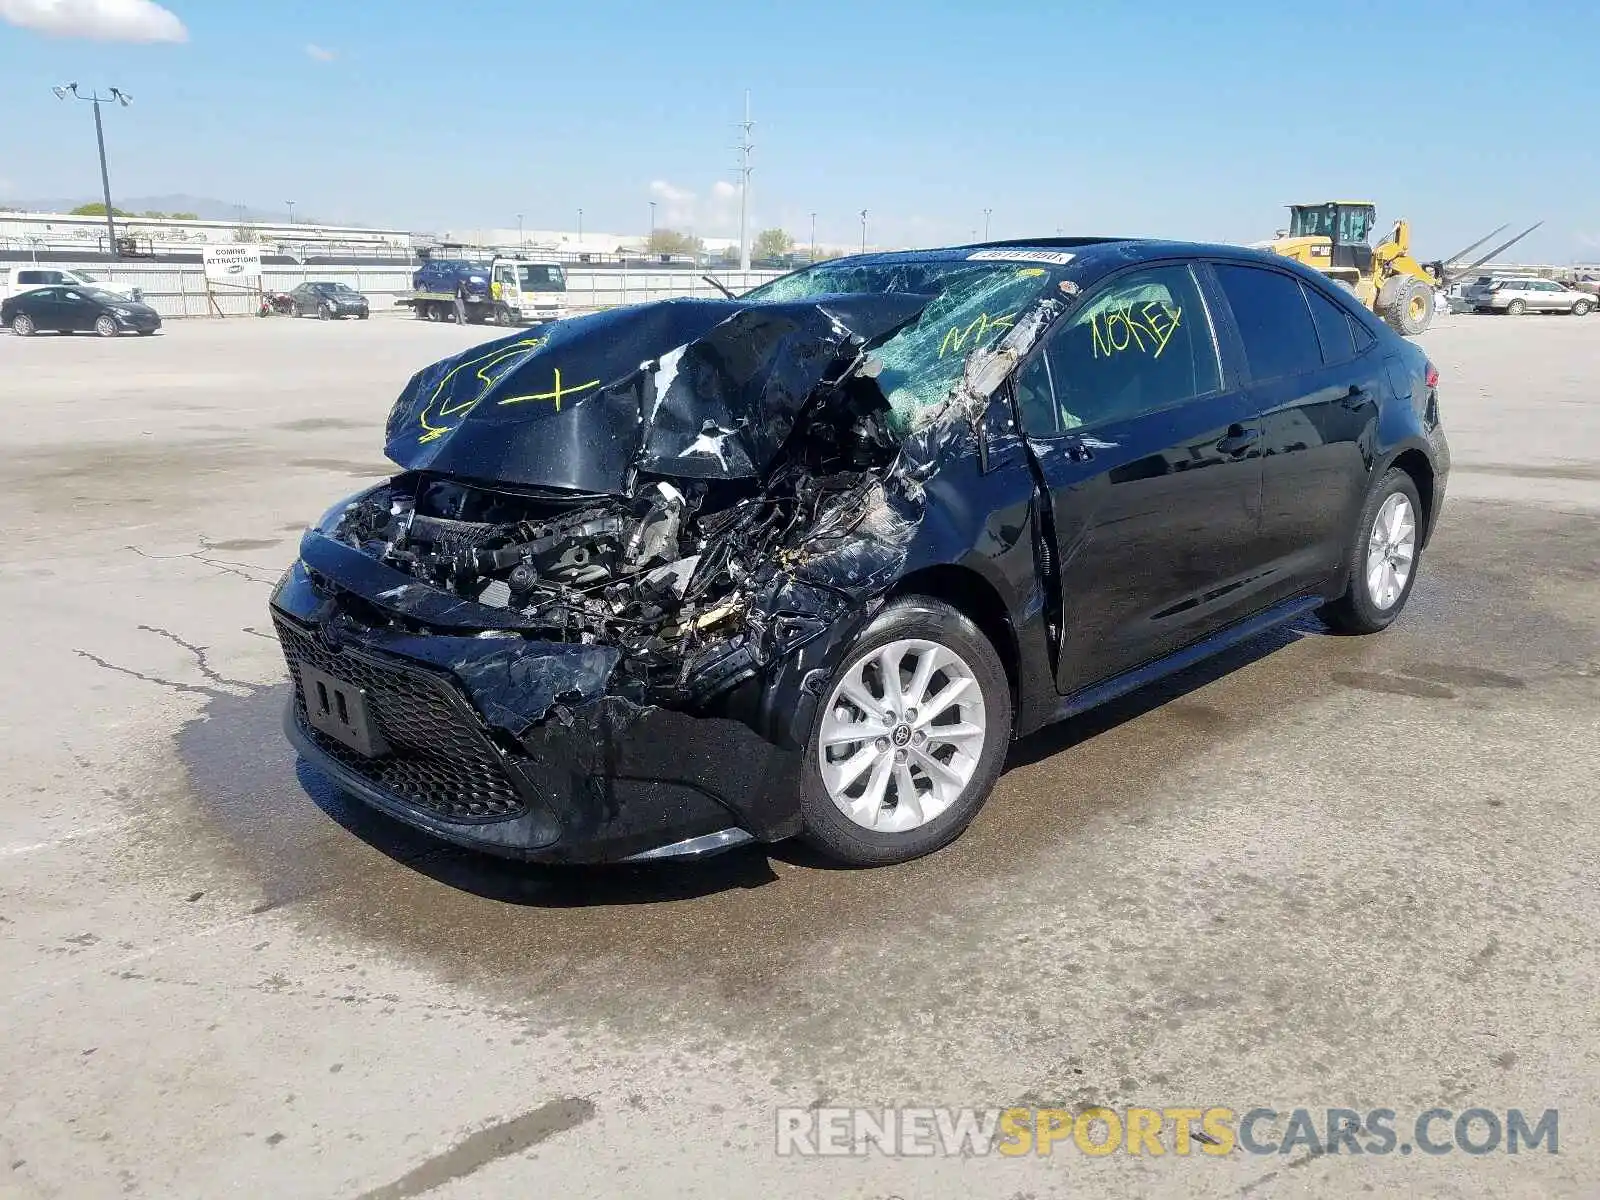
x: 701, y: 389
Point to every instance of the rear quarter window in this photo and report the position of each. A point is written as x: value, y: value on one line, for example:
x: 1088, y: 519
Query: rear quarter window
x: 1273, y: 318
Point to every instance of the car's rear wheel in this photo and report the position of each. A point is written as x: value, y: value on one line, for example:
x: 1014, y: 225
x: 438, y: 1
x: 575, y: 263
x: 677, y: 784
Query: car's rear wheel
x: 1516, y: 308
x: 910, y: 739
x: 1580, y: 308
x: 22, y: 325
x: 1383, y: 558
x: 105, y: 327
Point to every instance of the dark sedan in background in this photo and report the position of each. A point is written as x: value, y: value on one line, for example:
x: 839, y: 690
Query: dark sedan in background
x: 77, y: 309
x: 328, y: 301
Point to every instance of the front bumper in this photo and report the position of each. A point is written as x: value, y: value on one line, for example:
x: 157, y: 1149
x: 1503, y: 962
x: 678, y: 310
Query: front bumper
x: 513, y: 746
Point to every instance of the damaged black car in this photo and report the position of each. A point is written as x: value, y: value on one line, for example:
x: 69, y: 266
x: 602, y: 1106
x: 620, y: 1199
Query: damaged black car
x: 666, y: 579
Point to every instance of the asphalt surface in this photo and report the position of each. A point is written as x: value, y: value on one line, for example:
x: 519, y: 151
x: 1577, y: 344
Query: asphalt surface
x: 1325, y: 872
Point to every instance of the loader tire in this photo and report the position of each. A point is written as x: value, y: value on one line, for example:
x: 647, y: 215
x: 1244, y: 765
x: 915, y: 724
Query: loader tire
x: 1407, y: 304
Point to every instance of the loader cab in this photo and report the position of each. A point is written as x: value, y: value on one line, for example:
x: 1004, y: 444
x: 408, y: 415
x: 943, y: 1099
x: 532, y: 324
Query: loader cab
x: 1347, y: 224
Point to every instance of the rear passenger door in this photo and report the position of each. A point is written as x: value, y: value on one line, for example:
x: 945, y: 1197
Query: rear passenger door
x: 1149, y: 454
x: 1316, y: 375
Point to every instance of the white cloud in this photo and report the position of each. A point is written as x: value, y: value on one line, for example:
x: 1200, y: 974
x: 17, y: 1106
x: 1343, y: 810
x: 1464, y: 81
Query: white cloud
x: 320, y: 53
x: 102, y: 20
x: 715, y: 215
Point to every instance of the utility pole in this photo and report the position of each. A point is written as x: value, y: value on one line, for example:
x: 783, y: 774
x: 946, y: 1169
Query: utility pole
x: 745, y: 146
x: 97, y: 99
x: 650, y: 245
x: 290, y: 203
x: 520, y: 242
x: 813, y: 237
x: 863, y: 231
x: 580, y: 229
x: 986, y: 215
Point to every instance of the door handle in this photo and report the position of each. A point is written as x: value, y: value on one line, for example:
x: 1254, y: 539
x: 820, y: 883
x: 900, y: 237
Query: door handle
x: 1239, y: 439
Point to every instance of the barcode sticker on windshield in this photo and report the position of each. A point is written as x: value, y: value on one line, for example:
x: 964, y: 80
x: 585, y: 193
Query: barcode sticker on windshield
x: 1056, y: 258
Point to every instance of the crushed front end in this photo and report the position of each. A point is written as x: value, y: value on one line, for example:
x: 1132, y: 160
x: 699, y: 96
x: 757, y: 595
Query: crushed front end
x: 590, y: 617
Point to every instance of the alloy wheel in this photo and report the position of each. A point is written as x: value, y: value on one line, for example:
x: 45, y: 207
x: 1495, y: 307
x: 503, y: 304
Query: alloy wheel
x: 22, y: 325
x: 1391, y: 550
x: 105, y: 327
x: 902, y: 735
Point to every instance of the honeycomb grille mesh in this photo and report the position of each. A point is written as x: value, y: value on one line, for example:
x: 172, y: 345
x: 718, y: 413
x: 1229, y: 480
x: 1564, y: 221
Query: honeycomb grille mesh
x: 439, y: 761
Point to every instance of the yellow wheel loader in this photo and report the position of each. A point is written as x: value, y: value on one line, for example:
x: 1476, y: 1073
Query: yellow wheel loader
x: 1332, y: 237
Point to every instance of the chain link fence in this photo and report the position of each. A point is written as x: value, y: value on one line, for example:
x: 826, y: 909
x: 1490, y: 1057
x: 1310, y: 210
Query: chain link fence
x: 181, y: 291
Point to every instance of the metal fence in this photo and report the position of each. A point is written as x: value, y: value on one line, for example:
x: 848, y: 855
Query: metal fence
x: 180, y: 291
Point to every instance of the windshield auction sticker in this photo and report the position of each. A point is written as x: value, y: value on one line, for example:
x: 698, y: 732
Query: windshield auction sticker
x: 1056, y: 258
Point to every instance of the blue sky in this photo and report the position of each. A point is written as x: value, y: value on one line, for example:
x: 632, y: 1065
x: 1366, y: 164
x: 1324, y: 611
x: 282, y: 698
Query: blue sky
x: 1143, y: 118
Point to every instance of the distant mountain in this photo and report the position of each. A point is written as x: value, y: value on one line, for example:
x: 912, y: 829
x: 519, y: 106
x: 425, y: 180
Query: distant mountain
x: 203, y: 207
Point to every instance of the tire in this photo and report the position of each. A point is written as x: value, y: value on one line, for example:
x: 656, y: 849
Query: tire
x: 324, y: 313
x: 22, y: 325
x: 106, y: 327
x: 967, y: 765
x: 1407, y: 304
x: 1516, y: 308
x: 1580, y: 308
x: 1368, y: 604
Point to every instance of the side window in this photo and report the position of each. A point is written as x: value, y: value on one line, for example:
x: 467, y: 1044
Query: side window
x: 1334, y: 330
x: 33, y: 277
x: 1273, y: 320
x: 1142, y: 342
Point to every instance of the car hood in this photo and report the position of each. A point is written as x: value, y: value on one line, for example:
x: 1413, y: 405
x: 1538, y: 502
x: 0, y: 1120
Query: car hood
x: 698, y: 389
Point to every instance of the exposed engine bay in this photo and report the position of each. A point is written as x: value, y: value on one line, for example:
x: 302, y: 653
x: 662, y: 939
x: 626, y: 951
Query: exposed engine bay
x: 678, y: 575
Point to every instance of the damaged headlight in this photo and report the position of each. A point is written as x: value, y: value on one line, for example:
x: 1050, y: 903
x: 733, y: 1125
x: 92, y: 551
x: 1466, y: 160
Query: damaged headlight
x: 329, y: 522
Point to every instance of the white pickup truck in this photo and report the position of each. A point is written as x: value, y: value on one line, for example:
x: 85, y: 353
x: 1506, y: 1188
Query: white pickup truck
x: 25, y: 279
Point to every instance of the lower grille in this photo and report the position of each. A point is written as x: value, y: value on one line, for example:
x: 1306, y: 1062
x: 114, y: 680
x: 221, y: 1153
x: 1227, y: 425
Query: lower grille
x: 439, y: 760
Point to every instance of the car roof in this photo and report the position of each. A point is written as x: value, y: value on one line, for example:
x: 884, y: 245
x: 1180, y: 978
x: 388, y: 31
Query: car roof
x: 1091, y: 257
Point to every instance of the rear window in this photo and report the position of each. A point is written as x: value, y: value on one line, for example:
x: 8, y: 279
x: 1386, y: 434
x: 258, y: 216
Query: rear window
x: 1273, y: 318
x: 1335, y: 330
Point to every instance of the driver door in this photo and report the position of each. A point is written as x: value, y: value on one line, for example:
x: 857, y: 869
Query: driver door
x: 75, y: 312
x: 1150, y: 453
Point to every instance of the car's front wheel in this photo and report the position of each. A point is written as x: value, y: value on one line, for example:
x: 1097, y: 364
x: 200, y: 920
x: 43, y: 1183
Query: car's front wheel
x: 324, y: 313
x: 1580, y: 308
x: 910, y: 739
x: 106, y: 327
x: 1383, y: 558
x: 22, y: 325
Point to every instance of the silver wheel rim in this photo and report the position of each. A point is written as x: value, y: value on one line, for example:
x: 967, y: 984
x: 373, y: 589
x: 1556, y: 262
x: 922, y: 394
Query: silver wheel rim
x: 1391, y: 550
x: 105, y: 326
x: 901, y: 735
x: 23, y: 326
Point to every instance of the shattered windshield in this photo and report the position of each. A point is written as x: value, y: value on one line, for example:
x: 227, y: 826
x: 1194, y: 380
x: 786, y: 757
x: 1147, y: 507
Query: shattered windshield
x: 973, y: 306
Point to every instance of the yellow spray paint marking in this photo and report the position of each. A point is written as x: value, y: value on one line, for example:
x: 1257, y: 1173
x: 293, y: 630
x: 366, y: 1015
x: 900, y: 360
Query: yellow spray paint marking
x: 1146, y: 327
x: 957, y: 337
x: 555, y: 395
x: 456, y: 407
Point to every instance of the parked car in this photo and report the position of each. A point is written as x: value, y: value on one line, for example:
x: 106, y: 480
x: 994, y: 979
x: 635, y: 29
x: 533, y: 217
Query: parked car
x: 22, y: 279
x: 669, y: 578
x: 76, y: 309
x: 1517, y: 296
x: 328, y: 301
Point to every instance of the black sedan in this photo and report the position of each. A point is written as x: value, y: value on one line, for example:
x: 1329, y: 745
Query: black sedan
x: 328, y: 301
x: 666, y: 579
x: 76, y: 309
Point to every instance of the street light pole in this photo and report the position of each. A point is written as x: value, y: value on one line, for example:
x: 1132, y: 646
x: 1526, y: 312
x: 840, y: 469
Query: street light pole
x: 863, y: 231
x: 520, y: 242
x: 580, y: 229
x: 986, y: 214
x: 813, y: 237
x: 97, y: 99
x: 290, y: 203
x: 652, y: 241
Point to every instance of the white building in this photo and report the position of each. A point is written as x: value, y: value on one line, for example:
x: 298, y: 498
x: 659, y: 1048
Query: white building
x: 65, y: 233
